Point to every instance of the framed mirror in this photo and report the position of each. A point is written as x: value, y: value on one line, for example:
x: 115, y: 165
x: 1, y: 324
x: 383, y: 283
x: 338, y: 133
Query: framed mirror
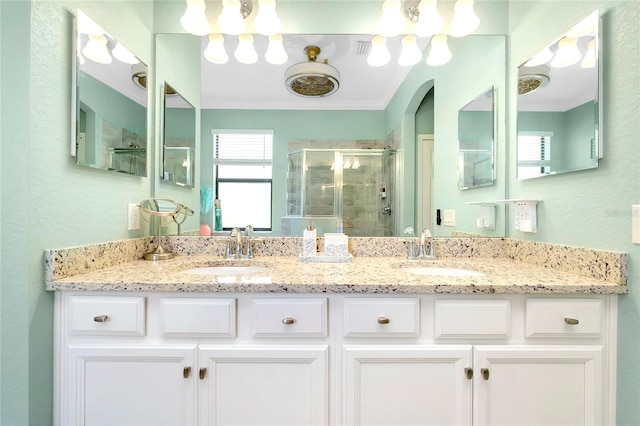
x: 476, y: 135
x: 179, y: 138
x: 109, y: 102
x: 559, y: 108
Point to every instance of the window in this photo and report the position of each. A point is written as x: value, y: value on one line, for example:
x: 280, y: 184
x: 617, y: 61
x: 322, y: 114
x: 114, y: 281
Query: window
x: 534, y: 154
x: 243, y: 162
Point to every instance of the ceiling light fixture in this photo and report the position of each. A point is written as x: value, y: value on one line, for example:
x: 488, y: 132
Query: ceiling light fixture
x: 429, y: 20
x: 439, y: 53
x: 567, y: 54
x: 589, y: 60
x: 276, y: 55
x: 410, y: 54
x: 267, y: 21
x: 122, y: 54
x: 194, y: 19
x: 231, y: 20
x: 392, y: 22
x: 312, y: 78
x: 464, y: 20
x: 215, y: 52
x: 246, y: 53
x: 532, y: 79
x: 96, y: 49
x: 379, y: 55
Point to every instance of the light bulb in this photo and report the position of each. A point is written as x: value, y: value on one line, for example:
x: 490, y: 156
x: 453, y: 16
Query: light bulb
x: 464, y: 20
x: 96, y: 49
x: 410, y: 54
x: 194, y: 19
x: 267, y: 21
x: 439, y: 53
x: 430, y: 21
x: 589, y: 60
x: 356, y: 163
x: 567, y: 54
x: 346, y: 164
x: 379, y: 54
x: 542, y: 57
x: 246, y: 53
x: 122, y: 54
x: 276, y: 55
x: 215, y: 52
x: 392, y: 21
x: 231, y: 20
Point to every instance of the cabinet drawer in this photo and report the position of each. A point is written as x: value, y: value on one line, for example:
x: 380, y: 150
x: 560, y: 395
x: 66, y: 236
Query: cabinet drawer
x: 564, y: 317
x: 98, y: 315
x: 472, y: 318
x: 302, y: 317
x: 198, y: 317
x: 382, y: 317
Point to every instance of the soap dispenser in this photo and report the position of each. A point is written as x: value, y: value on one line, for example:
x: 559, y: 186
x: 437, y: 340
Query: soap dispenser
x: 309, y: 240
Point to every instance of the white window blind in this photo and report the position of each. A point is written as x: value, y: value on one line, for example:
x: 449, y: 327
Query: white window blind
x: 534, y: 150
x: 239, y: 148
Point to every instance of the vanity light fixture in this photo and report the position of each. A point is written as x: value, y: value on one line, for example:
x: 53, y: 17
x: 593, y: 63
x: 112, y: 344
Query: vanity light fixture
x: 356, y: 163
x: 542, y: 57
x: 589, y: 60
x: 267, y: 21
x: 246, y: 53
x: 275, y: 54
x: 96, y: 49
x: 194, y: 20
x: 410, y: 54
x: 392, y: 22
x: 379, y: 55
x: 215, y: 52
x: 439, y: 53
x: 122, y: 54
x: 312, y: 78
x: 429, y: 20
x: 567, y: 54
x: 464, y: 20
x: 231, y: 20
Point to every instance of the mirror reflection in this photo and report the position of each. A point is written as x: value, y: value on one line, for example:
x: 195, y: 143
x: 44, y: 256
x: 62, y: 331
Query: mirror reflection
x: 178, y: 150
x: 559, y: 119
x: 476, y: 128
x: 110, y: 108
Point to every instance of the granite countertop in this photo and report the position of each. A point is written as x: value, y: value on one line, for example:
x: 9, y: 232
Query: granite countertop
x: 285, y: 274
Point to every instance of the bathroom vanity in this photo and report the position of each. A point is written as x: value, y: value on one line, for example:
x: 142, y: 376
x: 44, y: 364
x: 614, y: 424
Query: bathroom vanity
x: 361, y: 343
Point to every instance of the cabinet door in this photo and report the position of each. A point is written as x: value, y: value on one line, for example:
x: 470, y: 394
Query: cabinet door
x: 398, y: 385
x: 539, y: 385
x: 263, y: 385
x: 128, y: 385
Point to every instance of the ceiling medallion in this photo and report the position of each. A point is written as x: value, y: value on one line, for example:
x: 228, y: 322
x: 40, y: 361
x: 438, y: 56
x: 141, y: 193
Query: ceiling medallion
x: 312, y: 78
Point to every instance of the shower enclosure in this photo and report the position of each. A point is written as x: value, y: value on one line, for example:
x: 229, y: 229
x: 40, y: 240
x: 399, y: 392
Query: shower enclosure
x: 344, y: 190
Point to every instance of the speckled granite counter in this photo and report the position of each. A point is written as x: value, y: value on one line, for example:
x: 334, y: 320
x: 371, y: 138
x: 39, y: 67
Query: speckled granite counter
x: 508, y: 266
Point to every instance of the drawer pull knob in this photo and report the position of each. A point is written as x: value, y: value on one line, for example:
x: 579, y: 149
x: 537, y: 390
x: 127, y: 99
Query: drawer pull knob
x: 202, y: 373
x: 485, y: 373
x: 469, y: 373
x: 186, y: 372
x: 571, y: 321
x: 383, y: 320
x: 288, y: 320
x: 101, y: 318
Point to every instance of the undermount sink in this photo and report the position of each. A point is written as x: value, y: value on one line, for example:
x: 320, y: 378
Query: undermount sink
x: 226, y: 270
x: 436, y: 271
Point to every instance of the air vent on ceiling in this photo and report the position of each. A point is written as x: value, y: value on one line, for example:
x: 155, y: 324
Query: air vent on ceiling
x: 362, y: 47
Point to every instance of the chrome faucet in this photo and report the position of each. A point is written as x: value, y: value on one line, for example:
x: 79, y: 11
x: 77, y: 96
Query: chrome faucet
x: 426, y: 239
x: 234, y: 249
x: 248, y: 233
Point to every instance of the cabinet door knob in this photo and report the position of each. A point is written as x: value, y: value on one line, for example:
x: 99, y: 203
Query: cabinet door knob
x: 469, y: 373
x: 383, y: 320
x: 571, y: 321
x: 186, y: 372
x: 288, y: 320
x: 485, y: 373
x: 101, y: 318
x: 202, y: 373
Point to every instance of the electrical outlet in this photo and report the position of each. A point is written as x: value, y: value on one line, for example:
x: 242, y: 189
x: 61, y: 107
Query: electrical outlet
x: 133, y: 216
x: 449, y: 218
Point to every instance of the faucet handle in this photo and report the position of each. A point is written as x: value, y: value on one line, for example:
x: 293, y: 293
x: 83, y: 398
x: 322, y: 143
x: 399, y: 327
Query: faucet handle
x: 248, y: 230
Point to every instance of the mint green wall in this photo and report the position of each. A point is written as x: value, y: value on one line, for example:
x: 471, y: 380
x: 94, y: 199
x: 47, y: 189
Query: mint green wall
x: 475, y: 129
x: 286, y: 125
x: 424, y: 115
x: 41, y: 186
x: 592, y: 208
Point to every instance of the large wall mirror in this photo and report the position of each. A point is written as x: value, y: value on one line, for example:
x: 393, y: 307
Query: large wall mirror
x: 109, y: 109
x: 476, y: 130
x: 179, y: 138
x: 559, y: 108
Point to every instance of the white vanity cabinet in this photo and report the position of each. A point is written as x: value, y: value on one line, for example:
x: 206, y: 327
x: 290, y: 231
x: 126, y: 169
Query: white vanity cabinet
x: 334, y: 359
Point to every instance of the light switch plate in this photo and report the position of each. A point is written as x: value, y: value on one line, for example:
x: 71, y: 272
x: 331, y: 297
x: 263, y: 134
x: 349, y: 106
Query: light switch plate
x: 449, y: 218
x: 635, y: 224
x: 133, y: 216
